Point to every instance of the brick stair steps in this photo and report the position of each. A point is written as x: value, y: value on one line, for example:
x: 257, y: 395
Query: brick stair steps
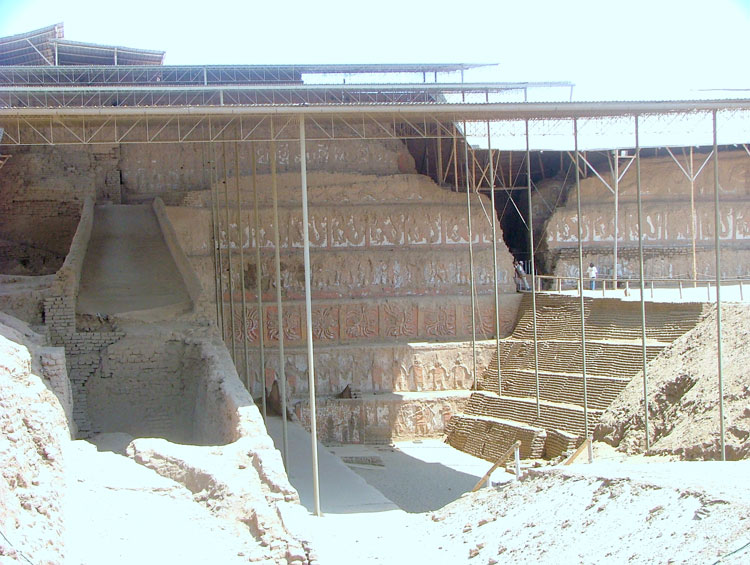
x: 568, y: 417
x: 558, y: 387
x: 605, y: 319
x: 491, y: 421
x: 566, y: 357
x: 489, y: 437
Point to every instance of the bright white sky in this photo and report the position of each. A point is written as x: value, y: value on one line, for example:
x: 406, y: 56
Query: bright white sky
x: 616, y: 50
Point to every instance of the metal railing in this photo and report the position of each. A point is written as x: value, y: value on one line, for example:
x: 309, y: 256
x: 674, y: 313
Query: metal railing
x: 627, y: 285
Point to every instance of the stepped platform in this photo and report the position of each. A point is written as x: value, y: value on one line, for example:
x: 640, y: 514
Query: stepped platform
x: 391, y: 302
x: 506, y: 408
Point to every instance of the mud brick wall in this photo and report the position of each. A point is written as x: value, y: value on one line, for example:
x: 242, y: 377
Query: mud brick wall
x: 43, y: 189
x: 83, y: 354
x: 143, y: 386
x: 54, y: 370
x: 169, y: 170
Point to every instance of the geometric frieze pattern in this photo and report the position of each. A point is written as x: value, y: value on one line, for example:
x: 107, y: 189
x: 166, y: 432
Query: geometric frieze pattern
x: 390, y: 320
x: 364, y: 226
x: 379, y: 272
x: 661, y: 224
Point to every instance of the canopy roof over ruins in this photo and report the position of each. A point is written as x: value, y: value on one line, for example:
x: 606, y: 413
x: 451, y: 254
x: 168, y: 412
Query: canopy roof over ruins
x: 47, y: 47
x: 97, y: 94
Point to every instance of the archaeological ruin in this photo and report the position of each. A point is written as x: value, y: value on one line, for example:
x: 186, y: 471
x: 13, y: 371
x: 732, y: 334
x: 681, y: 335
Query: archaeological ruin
x: 179, y: 242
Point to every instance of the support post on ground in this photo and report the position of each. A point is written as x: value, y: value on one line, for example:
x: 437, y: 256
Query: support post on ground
x: 471, y: 261
x: 616, y: 179
x: 502, y: 459
x: 494, y: 260
x: 259, y: 283
x: 533, y: 272
x: 308, y: 317
x: 220, y: 276
x: 717, y: 251
x: 229, y: 251
x: 642, y: 280
x: 580, y: 283
x: 693, y: 219
x: 241, y: 243
x: 215, y: 235
x: 279, y: 306
x: 455, y: 158
x: 439, y: 144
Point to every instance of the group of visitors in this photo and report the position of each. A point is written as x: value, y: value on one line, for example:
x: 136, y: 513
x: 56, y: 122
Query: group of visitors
x: 519, y: 276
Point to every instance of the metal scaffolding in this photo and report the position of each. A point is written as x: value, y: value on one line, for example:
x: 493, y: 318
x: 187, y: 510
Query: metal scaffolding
x: 368, y: 116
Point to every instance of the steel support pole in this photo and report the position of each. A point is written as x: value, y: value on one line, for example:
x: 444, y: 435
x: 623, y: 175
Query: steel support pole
x: 617, y: 215
x: 215, y: 236
x: 533, y: 274
x: 471, y: 262
x: 259, y: 284
x: 241, y: 237
x: 222, y: 316
x: 229, y: 251
x: 580, y: 284
x: 717, y: 229
x: 279, y: 307
x: 494, y: 260
x: 455, y: 158
x: 308, y: 317
x: 439, y: 144
x: 693, y: 219
x: 642, y: 281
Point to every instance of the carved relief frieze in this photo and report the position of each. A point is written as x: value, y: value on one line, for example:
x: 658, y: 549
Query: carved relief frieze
x: 387, y: 229
x: 484, y: 320
x: 440, y: 321
x: 292, y: 322
x: 317, y: 230
x: 399, y: 320
x: 325, y: 323
x: 461, y: 374
x: 359, y: 321
x: 347, y: 230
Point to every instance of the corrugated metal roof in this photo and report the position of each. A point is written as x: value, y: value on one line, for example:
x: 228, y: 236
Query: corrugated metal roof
x: 30, y: 48
x: 81, y: 53
x: 46, y: 47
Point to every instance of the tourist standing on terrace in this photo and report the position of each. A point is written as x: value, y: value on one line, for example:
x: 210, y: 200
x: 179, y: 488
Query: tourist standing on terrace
x: 591, y: 273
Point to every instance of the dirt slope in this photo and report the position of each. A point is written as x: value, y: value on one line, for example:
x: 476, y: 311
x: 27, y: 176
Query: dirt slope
x: 683, y: 395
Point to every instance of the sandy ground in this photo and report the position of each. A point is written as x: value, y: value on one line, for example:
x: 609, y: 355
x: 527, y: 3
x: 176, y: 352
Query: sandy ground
x: 620, y: 509
x: 119, y: 512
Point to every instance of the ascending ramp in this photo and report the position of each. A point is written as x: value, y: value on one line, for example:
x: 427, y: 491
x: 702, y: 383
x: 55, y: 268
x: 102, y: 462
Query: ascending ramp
x: 128, y: 267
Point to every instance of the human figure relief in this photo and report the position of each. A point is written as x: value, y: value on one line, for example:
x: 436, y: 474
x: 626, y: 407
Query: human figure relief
x: 416, y: 375
x: 439, y: 377
x: 461, y: 376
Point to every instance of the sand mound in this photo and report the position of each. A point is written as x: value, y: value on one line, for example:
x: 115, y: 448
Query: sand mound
x: 599, y: 513
x: 683, y: 395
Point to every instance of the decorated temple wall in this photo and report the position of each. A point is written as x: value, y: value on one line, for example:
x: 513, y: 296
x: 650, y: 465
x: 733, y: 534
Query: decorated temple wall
x: 672, y: 225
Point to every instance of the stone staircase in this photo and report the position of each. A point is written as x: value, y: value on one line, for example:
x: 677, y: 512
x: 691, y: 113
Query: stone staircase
x: 493, y: 419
